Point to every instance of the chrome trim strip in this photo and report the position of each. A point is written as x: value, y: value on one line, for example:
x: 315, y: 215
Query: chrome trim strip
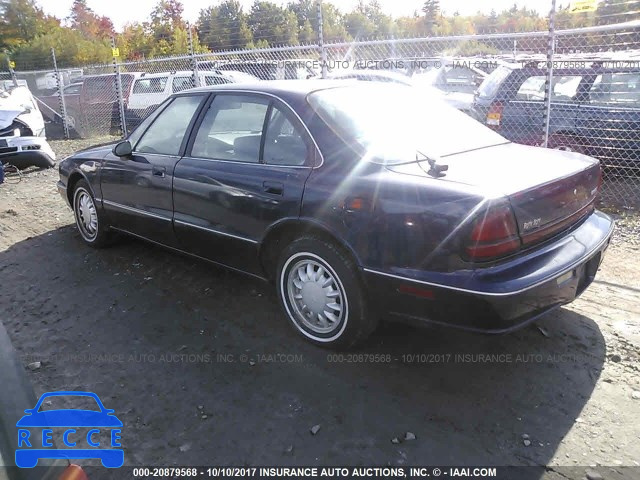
x: 239, y: 162
x: 500, y: 294
x: 188, y: 253
x: 135, y: 210
x: 217, y: 232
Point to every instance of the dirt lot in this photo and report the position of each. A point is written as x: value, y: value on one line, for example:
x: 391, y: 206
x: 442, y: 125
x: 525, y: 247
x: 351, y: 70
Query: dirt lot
x: 202, y: 368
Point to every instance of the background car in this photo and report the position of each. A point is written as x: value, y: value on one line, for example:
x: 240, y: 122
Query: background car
x: 594, y: 110
x: 96, y: 111
x: 149, y: 90
x: 294, y: 69
x: 354, y: 208
x: 22, y: 131
x: 51, y: 108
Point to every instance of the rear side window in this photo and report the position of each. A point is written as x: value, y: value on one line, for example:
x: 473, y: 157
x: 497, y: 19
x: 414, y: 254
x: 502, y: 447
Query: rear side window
x: 150, y: 85
x: 284, y: 143
x: 165, y: 134
x: 565, y: 88
x: 491, y: 84
x: 616, y: 88
x: 232, y: 129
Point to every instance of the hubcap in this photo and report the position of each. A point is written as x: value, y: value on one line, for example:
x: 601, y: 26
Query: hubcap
x: 316, y: 296
x: 86, y: 215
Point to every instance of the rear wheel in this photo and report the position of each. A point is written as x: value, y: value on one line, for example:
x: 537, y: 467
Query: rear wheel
x: 90, y: 221
x: 322, y: 295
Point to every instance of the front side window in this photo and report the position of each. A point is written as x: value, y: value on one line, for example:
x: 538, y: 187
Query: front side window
x: 232, y: 129
x: 165, y: 134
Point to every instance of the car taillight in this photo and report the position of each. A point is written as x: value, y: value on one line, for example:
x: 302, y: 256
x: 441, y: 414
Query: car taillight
x: 494, y: 234
x: 494, y: 115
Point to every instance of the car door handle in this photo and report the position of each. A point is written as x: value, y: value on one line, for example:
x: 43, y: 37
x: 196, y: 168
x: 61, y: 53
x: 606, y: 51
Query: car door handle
x: 274, y: 188
x: 158, y: 171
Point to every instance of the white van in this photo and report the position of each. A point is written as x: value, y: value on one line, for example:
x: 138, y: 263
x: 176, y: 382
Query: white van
x: 150, y: 89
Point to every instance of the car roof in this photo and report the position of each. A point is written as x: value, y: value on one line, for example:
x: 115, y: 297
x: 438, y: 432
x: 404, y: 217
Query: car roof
x: 277, y: 87
x: 182, y: 72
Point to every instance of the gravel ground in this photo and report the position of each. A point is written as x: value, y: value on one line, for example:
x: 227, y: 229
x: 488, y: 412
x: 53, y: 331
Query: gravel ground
x: 202, y: 368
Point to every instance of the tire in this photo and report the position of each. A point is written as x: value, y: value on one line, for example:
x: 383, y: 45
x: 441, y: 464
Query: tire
x: 90, y: 220
x: 330, y: 310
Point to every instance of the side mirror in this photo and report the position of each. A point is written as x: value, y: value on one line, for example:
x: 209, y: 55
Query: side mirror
x: 123, y: 149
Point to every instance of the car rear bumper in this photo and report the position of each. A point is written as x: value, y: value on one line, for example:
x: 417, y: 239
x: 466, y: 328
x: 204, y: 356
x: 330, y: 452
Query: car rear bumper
x: 504, y: 298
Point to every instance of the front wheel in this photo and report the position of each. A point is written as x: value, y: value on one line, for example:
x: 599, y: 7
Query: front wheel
x: 90, y: 221
x: 322, y: 294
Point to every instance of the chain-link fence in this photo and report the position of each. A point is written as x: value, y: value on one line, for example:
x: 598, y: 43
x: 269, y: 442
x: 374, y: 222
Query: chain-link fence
x: 574, y: 89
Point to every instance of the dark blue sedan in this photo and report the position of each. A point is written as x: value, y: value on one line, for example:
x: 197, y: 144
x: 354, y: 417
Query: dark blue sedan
x: 359, y: 201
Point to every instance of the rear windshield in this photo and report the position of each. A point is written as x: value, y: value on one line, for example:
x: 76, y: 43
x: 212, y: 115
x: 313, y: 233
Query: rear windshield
x: 401, y: 124
x: 491, y: 84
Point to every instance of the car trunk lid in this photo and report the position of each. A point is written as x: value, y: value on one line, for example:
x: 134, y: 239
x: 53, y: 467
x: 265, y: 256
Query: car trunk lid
x: 548, y: 190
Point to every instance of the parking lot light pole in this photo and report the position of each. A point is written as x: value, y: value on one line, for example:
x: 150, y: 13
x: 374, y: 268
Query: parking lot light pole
x: 549, y: 80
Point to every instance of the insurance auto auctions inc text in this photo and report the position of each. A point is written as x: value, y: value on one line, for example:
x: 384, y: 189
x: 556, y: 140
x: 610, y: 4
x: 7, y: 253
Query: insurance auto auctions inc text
x: 376, y: 472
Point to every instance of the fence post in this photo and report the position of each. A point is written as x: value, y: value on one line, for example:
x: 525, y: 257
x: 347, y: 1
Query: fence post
x: 549, y: 80
x: 118, y: 85
x: 323, y: 51
x: 192, y: 59
x: 61, y: 103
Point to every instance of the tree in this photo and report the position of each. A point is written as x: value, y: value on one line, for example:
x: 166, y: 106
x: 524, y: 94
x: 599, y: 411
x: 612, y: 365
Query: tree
x: 306, y: 13
x: 224, y: 26
x: 431, y: 10
x: 166, y: 16
x: 21, y: 21
x: 273, y: 24
x: 616, y: 11
x: 84, y: 20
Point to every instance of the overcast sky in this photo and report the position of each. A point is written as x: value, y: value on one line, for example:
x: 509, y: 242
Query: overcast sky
x: 123, y: 11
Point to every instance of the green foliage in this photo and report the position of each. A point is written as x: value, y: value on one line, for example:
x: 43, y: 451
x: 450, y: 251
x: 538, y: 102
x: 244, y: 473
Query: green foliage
x: 27, y: 34
x: 224, y: 26
x: 273, y: 24
x: 71, y: 48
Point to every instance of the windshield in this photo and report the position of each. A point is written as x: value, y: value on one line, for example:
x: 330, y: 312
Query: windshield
x: 490, y: 85
x: 395, y: 123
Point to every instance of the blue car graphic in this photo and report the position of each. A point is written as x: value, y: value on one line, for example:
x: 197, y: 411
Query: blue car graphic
x: 28, y: 457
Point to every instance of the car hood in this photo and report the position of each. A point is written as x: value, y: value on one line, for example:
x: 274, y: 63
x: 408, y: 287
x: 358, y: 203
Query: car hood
x: 98, y: 151
x: 69, y: 418
x: 8, y: 115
